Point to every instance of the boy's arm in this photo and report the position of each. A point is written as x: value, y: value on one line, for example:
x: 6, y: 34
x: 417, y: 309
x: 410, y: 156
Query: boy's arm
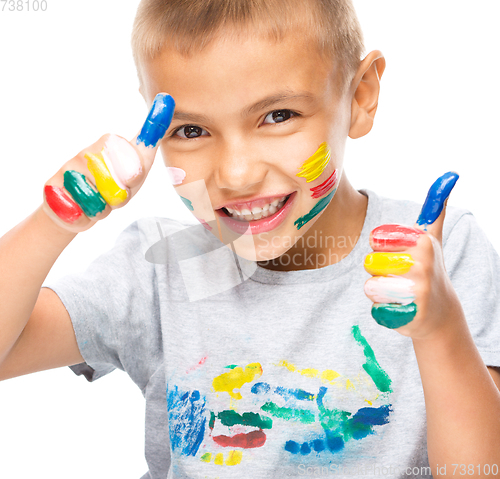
x: 36, y: 331
x: 462, y: 398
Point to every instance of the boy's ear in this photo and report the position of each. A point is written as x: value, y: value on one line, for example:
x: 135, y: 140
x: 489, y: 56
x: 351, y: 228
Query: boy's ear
x: 367, y: 87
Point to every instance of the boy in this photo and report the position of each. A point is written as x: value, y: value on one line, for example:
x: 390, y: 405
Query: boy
x: 255, y: 390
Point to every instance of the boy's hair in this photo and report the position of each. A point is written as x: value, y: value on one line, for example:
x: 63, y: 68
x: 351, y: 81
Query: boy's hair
x: 190, y: 25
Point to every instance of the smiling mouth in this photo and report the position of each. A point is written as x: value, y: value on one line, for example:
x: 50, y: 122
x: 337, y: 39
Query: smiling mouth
x: 257, y: 213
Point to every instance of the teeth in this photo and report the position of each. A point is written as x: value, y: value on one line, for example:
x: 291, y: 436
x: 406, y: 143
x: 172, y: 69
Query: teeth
x: 257, y: 213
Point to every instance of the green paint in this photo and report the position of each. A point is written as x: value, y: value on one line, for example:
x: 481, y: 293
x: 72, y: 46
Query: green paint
x: 317, y: 209
x: 372, y: 367
x: 187, y: 203
x: 394, y: 316
x: 89, y: 199
x: 211, y: 423
x: 206, y: 457
x: 332, y: 419
x: 232, y: 366
x: 289, y: 414
x: 231, y: 418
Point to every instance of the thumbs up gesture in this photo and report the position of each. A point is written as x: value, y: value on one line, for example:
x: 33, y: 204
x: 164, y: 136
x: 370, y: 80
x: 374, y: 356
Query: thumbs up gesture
x: 107, y: 174
x: 410, y: 288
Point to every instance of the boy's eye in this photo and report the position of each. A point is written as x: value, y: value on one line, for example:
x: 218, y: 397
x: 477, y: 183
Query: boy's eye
x: 279, y: 116
x: 191, y: 131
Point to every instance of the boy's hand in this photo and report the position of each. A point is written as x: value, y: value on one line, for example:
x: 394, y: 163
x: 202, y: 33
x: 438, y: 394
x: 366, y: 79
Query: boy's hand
x: 410, y: 287
x: 107, y: 174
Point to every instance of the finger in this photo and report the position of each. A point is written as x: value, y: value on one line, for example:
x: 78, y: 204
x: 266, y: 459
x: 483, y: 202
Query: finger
x: 394, y: 237
x: 393, y: 316
x: 390, y: 289
x: 384, y: 264
x: 122, y: 166
x: 432, y: 215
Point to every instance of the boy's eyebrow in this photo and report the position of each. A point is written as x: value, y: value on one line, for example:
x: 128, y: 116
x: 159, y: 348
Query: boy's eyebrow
x: 260, y: 105
x: 278, y: 98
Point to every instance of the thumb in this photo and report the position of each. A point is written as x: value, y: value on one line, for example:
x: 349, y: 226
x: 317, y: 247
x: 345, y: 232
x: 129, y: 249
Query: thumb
x: 433, y: 211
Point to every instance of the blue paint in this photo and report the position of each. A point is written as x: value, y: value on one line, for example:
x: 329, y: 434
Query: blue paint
x: 321, y: 395
x: 305, y: 449
x: 372, y: 416
x: 187, y: 203
x: 299, y: 394
x: 334, y: 443
x: 318, y: 445
x: 437, y: 195
x: 260, y: 388
x: 292, y: 446
x: 158, y: 120
x: 186, y: 420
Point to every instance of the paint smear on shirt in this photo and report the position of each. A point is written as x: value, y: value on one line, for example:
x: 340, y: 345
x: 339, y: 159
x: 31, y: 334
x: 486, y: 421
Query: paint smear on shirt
x: 236, y: 378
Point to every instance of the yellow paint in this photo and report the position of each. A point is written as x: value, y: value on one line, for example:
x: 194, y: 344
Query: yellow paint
x: 234, y: 458
x: 349, y: 384
x: 206, y: 457
x: 383, y: 264
x: 316, y: 164
x: 113, y: 195
x: 235, y: 378
x: 219, y: 459
x: 329, y: 375
x: 310, y: 373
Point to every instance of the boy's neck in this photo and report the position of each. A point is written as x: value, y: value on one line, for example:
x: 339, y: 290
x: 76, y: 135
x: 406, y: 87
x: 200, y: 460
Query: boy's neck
x: 331, y: 238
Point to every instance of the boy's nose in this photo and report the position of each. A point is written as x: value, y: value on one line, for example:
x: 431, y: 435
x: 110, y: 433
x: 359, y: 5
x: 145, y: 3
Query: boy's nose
x: 239, y: 167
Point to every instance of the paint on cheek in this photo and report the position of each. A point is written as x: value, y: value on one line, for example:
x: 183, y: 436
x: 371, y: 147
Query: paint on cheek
x: 106, y: 185
x: 89, y: 200
x: 394, y: 316
x: 384, y: 264
x: 325, y: 187
x: 317, y: 209
x: 393, y: 289
x: 61, y: 204
x: 315, y: 165
x: 187, y: 203
x: 393, y: 236
x: 176, y: 175
x: 122, y: 160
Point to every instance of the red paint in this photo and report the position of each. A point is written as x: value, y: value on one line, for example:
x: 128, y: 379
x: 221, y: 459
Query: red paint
x: 393, y: 237
x: 246, y: 441
x: 326, y: 186
x: 61, y: 204
x: 196, y: 366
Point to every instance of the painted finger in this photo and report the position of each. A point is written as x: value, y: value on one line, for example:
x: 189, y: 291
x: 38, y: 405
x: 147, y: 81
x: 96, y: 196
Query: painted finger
x: 384, y: 264
x: 394, y: 316
x: 436, y: 197
x: 154, y: 128
x: 62, y: 204
x: 394, y: 237
x: 390, y: 289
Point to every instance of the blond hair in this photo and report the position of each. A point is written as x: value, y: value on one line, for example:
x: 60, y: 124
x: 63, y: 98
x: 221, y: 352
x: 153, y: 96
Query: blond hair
x: 191, y: 25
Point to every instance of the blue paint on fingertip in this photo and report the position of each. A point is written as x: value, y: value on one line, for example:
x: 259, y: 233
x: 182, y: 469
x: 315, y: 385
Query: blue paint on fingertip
x: 437, y: 195
x: 158, y: 120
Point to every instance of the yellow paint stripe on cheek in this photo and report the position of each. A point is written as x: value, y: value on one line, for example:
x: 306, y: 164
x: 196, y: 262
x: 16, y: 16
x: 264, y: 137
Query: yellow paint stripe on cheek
x: 383, y: 264
x: 106, y: 185
x: 316, y: 164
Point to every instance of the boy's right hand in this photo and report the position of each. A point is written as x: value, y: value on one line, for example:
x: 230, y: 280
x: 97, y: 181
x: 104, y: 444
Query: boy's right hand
x: 107, y: 174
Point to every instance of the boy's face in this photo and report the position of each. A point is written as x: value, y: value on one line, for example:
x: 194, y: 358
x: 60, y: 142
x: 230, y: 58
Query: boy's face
x: 249, y: 114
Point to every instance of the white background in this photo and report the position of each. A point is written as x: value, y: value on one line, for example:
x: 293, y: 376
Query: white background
x: 67, y: 77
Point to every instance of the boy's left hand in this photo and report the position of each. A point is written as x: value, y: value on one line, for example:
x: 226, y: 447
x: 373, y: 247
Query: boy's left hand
x: 410, y: 288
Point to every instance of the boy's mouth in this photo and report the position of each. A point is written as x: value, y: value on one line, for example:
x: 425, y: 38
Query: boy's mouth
x: 259, y: 216
x: 256, y: 211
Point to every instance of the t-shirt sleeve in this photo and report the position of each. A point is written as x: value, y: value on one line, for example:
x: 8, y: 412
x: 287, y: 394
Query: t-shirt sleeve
x: 474, y: 268
x: 114, y: 310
